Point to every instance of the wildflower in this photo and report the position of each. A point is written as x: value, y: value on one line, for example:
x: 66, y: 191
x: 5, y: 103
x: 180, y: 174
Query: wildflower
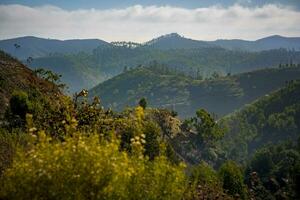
x: 33, y: 129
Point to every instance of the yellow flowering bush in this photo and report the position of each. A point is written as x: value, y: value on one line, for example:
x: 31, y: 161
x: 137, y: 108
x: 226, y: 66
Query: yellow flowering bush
x: 89, y: 167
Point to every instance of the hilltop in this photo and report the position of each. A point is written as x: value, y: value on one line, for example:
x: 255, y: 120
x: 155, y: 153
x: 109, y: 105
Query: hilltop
x: 171, y: 89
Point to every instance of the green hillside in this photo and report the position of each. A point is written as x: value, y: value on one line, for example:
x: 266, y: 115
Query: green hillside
x: 15, y: 77
x: 271, y: 119
x: 85, y: 70
x: 170, y: 89
x: 58, y: 147
x: 76, y: 72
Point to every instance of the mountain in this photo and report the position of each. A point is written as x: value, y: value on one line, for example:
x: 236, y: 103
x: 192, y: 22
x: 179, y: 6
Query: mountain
x: 175, y: 41
x: 106, y: 62
x: 271, y: 42
x: 14, y: 76
x: 34, y: 47
x: 166, y: 88
x: 272, y: 119
x: 29, y: 46
x: 86, y: 63
x: 76, y: 73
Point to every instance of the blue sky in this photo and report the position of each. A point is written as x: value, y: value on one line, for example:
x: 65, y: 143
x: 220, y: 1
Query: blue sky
x: 129, y: 20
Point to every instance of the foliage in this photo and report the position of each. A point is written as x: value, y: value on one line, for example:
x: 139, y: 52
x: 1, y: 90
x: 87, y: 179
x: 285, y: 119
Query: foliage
x: 152, y: 145
x: 143, y: 103
x: 20, y: 104
x: 205, y: 183
x: 272, y: 119
x: 65, y: 149
x: 198, y: 139
x: 232, y: 179
x: 89, y: 168
x: 48, y: 75
x: 273, y: 169
x: 204, y: 174
x: 9, y: 142
x: 206, y: 126
x: 167, y: 88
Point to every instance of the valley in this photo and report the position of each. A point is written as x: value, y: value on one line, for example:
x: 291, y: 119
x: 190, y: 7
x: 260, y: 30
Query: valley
x: 198, y: 119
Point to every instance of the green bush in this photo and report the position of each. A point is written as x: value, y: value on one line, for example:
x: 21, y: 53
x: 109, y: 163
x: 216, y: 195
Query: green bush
x: 20, y: 104
x: 143, y: 103
x: 232, y: 179
x: 9, y: 142
x: 89, y: 167
x: 152, y: 133
x: 205, y: 174
x: 205, y: 183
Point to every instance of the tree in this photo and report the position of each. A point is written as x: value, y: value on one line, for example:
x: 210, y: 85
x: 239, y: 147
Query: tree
x: 143, y: 103
x: 17, y: 46
x: 125, y: 69
x: 20, y: 104
x: 50, y: 76
x: 204, y: 126
x: 215, y: 75
x: 152, y: 132
x: 232, y: 179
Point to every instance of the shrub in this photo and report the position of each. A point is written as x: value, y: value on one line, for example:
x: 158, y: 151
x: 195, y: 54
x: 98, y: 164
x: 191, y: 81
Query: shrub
x: 205, y: 184
x: 232, y: 179
x: 20, y: 104
x: 143, y: 103
x: 152, y: 133
x: 9, y: 141
x: 89, y: 167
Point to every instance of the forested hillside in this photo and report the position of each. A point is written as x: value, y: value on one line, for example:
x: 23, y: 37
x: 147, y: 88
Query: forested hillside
x: 150, y: 100
x: 185, y: 94
x: 61, y: 147
x: 106, y: 62
x: 15, y: 77
x: 85, y: 63
x: 270, y: 120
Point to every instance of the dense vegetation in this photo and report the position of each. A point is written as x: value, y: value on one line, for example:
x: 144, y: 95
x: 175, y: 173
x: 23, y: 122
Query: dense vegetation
x: 171, y: 89
x: 57, y: 147
x: 106, y: 62
x: 272, y: 119
x: 15, y: 76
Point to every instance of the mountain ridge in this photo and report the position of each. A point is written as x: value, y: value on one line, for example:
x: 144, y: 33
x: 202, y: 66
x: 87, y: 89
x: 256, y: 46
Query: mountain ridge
x: 46, y: 46
x: 168, y: 89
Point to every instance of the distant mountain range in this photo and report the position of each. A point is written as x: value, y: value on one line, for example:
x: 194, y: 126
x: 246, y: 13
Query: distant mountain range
x: 175, y: 41
x: 30, y: 46
x: 34, y: 47
x: 85, y: 63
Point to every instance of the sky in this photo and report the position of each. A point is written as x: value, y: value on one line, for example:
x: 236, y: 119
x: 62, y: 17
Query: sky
x: 140, y: 21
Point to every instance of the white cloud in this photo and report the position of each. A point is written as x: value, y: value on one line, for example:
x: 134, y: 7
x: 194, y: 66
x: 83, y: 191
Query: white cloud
x: 138, y: 23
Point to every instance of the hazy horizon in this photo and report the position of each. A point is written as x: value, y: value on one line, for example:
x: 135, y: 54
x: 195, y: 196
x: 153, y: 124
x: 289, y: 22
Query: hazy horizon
x: 141, y: 21
x: 155, y: 37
